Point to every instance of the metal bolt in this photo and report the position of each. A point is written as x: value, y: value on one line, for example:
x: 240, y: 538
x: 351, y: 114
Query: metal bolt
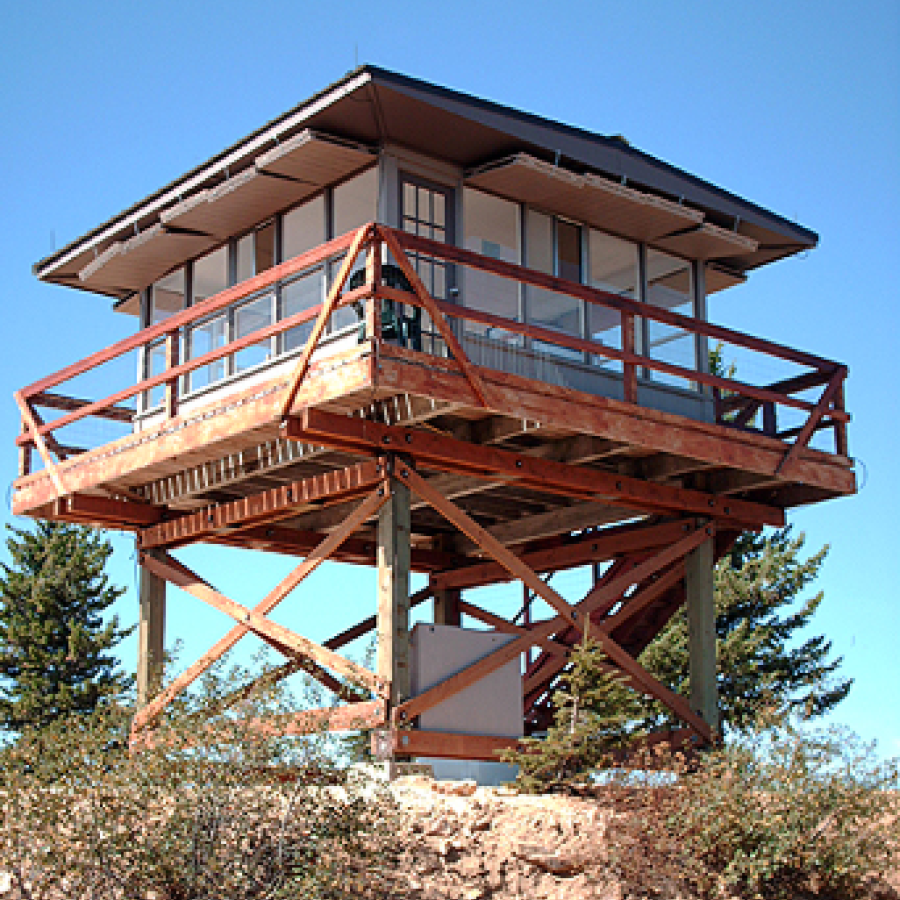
x: 618, y: 485
x: 712, y: 502
x: 408, y: 438
x: 386, y: 439
x: 518, y: 463
x: 727, y: 510
x: 405, y: 473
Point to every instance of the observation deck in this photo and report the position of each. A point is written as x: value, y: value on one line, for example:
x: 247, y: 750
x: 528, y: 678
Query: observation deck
x: 501, y: 367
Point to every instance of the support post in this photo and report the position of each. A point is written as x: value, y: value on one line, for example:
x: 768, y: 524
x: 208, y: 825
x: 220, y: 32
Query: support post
x: 393, y: 592
x: 446, y: 600
x: 701, y: 611
x: 446, y: 607
x: 151, y: 635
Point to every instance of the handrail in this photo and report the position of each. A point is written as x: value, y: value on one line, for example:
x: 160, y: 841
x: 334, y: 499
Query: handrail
x: 743, y: 399
x: 223, y: 299
x: 604, y: 298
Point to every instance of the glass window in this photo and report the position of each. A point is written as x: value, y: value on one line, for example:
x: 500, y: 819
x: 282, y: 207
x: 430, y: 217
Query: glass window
x: 303, y: 228
x: 491, y: 229
x: 553, y: 246
x: 210, y: 274
x: 356, y: 202
x: 249, y: 318
x: 614, y: 269
x: 167, y: 296
x: 264, y: 247
x: 244, y: 251
x: 205, y: 337
x: 298, y: 295
x: 669, y: 286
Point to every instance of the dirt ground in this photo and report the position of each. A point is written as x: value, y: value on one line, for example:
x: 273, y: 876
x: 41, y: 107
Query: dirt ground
x: 479, y: 843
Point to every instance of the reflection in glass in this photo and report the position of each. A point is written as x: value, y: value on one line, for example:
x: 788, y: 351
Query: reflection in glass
x: 303, y: 228
x: 249, y: 318
x: 210, y: 274
x: 491, y: 229
x: 614, y: 269
x: 205, y: 337
x: 167, y: 296
x: 298, y: 295
x: 549, y: 309
x: 669, y: 287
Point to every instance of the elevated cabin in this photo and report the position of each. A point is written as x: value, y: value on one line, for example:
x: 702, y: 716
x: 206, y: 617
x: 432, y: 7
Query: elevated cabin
x: 405, y: 327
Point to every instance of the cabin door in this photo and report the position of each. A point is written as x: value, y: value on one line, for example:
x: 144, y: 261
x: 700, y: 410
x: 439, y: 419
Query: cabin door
x: 426, y: 210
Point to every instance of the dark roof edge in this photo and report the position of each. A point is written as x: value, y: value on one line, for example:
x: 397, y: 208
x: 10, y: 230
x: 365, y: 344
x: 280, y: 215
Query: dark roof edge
x: 368, y: 72
x: 389, y: 78
x: 199, y: 169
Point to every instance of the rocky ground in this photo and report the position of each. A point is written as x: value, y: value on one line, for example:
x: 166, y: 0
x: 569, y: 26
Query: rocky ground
x: 480, y: 843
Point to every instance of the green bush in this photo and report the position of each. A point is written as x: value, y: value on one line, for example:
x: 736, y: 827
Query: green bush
x: 779, y: 813
x: 210, y: 807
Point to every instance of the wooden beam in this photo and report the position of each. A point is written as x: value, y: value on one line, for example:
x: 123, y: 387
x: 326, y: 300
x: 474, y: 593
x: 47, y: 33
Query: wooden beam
x: 443, y: 744
x: 640, y: 427
x: 449, y: 454
x: 121, y: 513
x: 701, y: 615
x: 29, y: 420
x: 60, y: 401
x: 489, y: 544
x: 393, y: 592
x: 265, y: 506
x: 593, y: 547
x: 235, y: 634
x: 297, y: 376
x: 564, y: 520
x: 151, y: 635
x: 490, y: 663
x: 831, y: 391
x: 178, y: 574
x: 437, y: 317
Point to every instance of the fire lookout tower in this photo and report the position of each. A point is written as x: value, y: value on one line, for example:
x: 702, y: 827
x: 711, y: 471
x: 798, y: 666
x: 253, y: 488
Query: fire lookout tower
x: 406, y: 328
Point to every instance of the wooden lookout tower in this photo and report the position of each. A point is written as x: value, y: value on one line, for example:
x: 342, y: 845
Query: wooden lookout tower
x: 409, y: 329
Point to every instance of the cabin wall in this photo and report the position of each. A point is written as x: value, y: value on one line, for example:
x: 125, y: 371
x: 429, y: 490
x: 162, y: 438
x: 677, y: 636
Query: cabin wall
x: 487, y: 224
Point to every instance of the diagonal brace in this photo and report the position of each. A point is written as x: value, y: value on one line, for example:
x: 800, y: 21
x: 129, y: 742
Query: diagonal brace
x: 367, y: 508
x: 488, y: 543
x: 451, y: 686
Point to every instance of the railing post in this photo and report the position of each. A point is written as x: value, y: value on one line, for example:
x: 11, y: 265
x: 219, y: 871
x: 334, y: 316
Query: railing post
x: 373, y: 281
x: 629, y: 369
x: 840, y: 428
x: 24, y: 454
x: 171, y: 400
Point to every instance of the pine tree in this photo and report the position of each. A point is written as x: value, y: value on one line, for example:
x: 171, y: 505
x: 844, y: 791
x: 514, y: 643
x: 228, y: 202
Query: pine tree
x: 592, y: 719
x: 762, y: 665
x: 54, y: 644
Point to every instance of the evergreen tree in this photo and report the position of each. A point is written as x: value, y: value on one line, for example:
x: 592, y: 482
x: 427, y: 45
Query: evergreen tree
x: 593, y: 718
x: 54, y: 645
x: 762, y: 666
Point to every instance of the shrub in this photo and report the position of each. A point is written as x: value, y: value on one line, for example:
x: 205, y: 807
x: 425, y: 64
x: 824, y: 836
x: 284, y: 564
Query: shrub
x: 211, y: 807
x: 778, y: 812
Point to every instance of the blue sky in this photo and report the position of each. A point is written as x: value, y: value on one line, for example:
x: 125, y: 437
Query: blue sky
x: 795, y: 106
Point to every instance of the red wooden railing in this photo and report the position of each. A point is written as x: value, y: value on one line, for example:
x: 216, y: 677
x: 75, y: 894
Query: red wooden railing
x: 737, y: 403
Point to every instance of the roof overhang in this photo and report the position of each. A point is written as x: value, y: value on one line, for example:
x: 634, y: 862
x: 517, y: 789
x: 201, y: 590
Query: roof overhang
x: 335, y: 133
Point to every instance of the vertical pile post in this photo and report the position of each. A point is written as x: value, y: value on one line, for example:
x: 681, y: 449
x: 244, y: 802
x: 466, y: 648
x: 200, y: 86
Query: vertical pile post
x: 151, y: 635
x: 701, y: 611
